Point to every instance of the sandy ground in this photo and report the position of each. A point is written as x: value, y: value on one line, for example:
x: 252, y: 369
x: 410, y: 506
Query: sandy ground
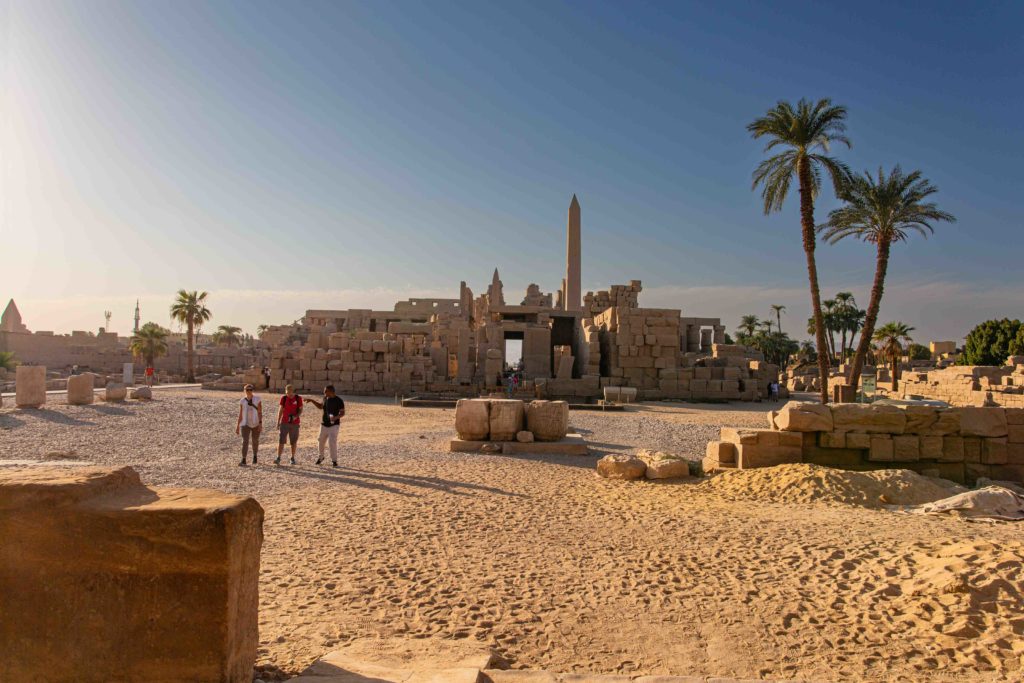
x: 559, y: 569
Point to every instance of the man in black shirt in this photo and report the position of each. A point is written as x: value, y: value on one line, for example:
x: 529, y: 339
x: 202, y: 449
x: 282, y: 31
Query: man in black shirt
x: 334, y: 410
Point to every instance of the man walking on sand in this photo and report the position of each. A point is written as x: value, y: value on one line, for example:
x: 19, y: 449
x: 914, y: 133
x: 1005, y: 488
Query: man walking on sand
x: 288, y: 421
x: 334, y: 410
x: 250, y: 421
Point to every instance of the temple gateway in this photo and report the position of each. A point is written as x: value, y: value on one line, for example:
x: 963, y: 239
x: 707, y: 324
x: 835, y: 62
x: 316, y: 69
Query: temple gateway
x: 571, y: 346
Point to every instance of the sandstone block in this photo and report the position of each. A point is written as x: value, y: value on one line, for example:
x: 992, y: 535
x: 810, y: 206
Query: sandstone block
x: 1015, y: 416
x: 985, y: 422
x: 721, y: 451
x: 548, y: 420
x: 621, y: 466
x: 473, y: 419
x: 506, y: 419
x: 115, y: 392
x: 947, y: 423
x: 105, y: 579
x: 868, y: 419
x: 832, y: 440
x: 858, y: 440
x: 804, y: 417
x: 1015, y: 433
x: 972, y: 449
x: 1015, y: 453
x: 524, y: 437
x: 881, y: 449
x: 749, y: 457
x: 931, y: 447
x: 80, y: 391
x: 741, y: 436
x: 142, y: 394
x: 952, y: 449
x: 661, y: 465
x: 994, y: 451
x: 29, y: 386
x: 920, y: 419
x: 906, y: 448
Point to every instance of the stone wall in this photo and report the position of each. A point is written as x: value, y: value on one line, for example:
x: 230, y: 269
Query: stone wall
x: 968, y: 385
x: 105, y: 579
x: 961, y: 444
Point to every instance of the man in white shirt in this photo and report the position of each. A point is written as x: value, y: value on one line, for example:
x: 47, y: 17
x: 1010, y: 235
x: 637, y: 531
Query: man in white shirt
x: 250, y: 421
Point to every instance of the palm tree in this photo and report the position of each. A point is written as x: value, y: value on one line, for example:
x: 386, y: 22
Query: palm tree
x: 829, y: 314
x: 190, y: 310
x: 807, y: 132
x: 227, y: 335
x: 7, y: 361
x: 150, y: 342
x: 845, y: 304
x: 748, y: 325
x: 890, y: 338
x: 882, y: 212
x: 778, y: 309
x: 261, y: 329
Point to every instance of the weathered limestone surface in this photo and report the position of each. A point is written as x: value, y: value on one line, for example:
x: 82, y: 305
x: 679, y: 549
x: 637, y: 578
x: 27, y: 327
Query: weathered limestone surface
x: 80, y: 391
x: 104, y: 579
x: 142, y: 394
x: 868, y: 419
x: 506, y: 419
x: 621, y: 466
x: 115, y: 392
x: 661, y: 465
x: 30, y: 386
x: 990, y: 422
x: 473, y: 419
x: 804, y: 417
x: 548, y: 420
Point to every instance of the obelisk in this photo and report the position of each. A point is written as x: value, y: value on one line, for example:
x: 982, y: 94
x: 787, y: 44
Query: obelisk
x: 572, y: 258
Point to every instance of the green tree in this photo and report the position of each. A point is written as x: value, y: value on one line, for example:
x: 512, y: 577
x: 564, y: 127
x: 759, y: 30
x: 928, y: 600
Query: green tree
x: 150, y: 342
x: 261, y: 329
x: 227, y: 335
x: 7, y: 361
x: 748, y: 326
x: 189, y: 309
x: 882, y: 211
x: 778, y: 310
x: 890, y: 338
x: 992, y: 341
x: 806, y: 133
x: 919, y: 352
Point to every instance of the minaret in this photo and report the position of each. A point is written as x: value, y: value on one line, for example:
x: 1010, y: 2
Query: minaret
x: 137, y: 316
x: 572, y: 259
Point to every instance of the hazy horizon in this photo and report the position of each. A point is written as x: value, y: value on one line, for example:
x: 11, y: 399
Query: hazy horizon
x: 285, y: 157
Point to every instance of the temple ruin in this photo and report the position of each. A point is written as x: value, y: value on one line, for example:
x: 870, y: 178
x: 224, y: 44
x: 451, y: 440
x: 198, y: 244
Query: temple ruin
x: 573, y: 345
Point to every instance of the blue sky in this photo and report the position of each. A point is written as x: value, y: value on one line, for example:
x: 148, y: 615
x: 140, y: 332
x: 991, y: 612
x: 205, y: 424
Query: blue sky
x: 287, y: 156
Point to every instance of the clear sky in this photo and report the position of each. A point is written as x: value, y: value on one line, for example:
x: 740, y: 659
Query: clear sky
x: 294, y: 155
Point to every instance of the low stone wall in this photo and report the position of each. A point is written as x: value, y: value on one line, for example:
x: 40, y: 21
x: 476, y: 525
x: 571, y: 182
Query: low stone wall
x: 968, y: 385
x: 961, y: 444
x: 105, y: 579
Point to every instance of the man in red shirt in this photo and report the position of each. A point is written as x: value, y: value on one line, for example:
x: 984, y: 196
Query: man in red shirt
x: 288, y: 421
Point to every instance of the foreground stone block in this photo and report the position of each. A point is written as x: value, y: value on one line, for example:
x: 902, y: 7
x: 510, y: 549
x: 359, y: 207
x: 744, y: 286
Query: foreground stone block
x: 804, y: 417
x: 506, y: 419
x: 987, y: 422
x: 473, y: 419
x: 105, y: 579
x: 721, y: 452
x: 661, y: 465
x: 548, y: 420
x: 524, y: 437
x: 142, y: 394
x: 80, y: 391
x: 749, y: 457
x: 29, y: 386
x: 115, y: 392
x: 868, y: 419
x: 621, y: 466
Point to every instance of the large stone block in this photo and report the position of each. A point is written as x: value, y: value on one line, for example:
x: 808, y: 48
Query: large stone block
x: 115, y: 391
x: 994, y: 451
x: 748, y: 457
x: 80, y: 392
x: 621, y: 466
x: 473, y: 419
x: 506, y: 419
x: 920, y: 419
x: 720, y: 452
x: 952, y: 449
x: 947, y: 423
x: 661, y: 465
x: 548, y: 420
x: 804, y: 417
x: 985, y: 422
x: 105, y: 579
x: 906, y: 448
x: 29, y: 386
x: 881, y: 448
x: 868, y: 419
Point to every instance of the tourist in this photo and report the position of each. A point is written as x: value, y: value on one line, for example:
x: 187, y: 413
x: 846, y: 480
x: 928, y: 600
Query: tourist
x: 773, y: 387
x: 266, y: 377
x: 288, y: 421
x: 250, y: 421
x: 334, y: 410
x: 149, y: 375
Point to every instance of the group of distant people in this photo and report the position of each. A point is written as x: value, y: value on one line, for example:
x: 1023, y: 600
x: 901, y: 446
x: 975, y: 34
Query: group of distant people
x: 290, y: 406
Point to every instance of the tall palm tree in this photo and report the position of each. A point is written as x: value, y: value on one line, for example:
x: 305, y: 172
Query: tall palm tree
x: 890, y: 338
x: 778, y: 309
x: 807, y: 133
x: 228, y: 335
x: 261, y: 329
x: 150, y: 342
x: 845, y: 304
x: 189, y: 309
x: 829, y: 314
x: 882, y: 211
x: 748, y: 325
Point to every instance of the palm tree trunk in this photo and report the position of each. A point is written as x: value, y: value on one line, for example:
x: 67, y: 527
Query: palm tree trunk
x: 190, y: 375
x: 807, y: 228
x: 866, y: 332
x: 778, y: 319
